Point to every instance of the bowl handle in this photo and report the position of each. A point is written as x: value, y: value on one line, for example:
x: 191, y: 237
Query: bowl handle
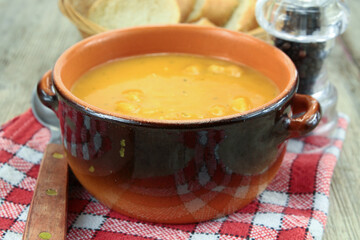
x: 306, y: 115
x: 46, y: 92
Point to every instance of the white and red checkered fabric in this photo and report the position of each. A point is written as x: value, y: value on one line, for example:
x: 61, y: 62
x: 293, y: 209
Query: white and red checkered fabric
x: 294, y: 206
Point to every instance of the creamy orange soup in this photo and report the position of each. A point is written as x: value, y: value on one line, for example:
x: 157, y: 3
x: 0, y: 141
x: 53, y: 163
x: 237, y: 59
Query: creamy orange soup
x: 174, y: 87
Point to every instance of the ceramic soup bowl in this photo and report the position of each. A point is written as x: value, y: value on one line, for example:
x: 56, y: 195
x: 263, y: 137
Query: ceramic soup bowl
x: 176, y: 171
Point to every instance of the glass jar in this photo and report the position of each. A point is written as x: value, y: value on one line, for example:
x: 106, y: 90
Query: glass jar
x: 305, y: 30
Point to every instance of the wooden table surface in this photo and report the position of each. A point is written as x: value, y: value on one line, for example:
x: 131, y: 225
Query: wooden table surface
x: 33, y: 34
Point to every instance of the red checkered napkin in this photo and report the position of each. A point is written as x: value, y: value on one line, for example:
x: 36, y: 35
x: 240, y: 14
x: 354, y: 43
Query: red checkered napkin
x: 294, y: 206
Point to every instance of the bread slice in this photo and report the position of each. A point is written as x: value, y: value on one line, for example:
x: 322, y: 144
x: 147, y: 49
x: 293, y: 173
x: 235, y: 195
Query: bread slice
x: 205, y: 22
x: 186, y: 6
x: 243, y: 19
x: 217, y: 11
x: 113, y: 14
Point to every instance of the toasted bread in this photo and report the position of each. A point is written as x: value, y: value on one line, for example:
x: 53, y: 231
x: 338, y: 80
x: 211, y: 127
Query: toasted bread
x: 205, y: 22
x: 186, y: 6
x: 243, y: 19
x: 113, y: 14
x: 217, y: 11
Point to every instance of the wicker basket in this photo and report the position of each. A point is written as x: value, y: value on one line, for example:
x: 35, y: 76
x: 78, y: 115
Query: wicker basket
x: 76, y: 11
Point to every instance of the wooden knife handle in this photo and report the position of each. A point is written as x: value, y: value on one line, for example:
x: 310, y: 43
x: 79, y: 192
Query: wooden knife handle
x: 48, y: 210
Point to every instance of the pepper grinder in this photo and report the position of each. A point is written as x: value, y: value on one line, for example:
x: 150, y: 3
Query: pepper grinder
x: 305, y: 30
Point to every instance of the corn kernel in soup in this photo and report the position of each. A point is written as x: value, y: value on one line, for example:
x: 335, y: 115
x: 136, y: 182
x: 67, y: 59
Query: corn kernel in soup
x: 174, y: 87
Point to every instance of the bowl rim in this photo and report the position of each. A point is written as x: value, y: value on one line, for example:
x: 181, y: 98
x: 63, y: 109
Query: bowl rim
x: 283, y: 97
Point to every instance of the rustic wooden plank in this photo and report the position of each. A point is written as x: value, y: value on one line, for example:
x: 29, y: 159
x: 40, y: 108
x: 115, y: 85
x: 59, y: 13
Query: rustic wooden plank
x: 33, y: 35
x: 343, y: 221
x: 352, y: 34
x: 48, y: 210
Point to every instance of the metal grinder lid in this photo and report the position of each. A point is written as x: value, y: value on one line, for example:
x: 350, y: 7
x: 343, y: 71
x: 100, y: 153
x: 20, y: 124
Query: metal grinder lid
x: 303, y: 20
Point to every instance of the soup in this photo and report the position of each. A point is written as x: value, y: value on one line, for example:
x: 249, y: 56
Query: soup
x: 174, y: 87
